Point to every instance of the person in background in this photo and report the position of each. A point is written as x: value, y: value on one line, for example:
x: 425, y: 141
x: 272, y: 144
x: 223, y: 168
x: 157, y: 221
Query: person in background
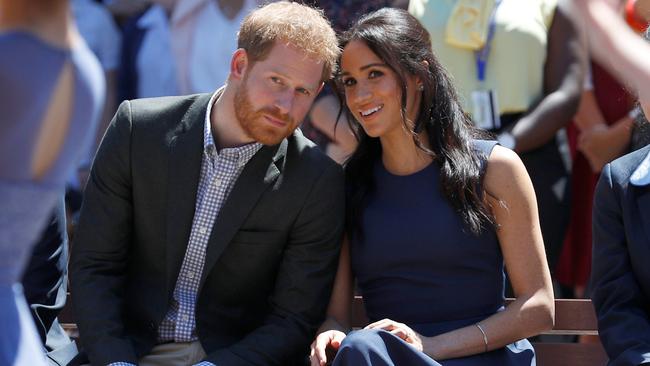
x: 325, y: 125
x: 203, y: 38
x: 620, y: 277
x: 600, y: 132
x: 98, y: 29
x: 179, y: 47
x: 51, y: 94
x: 211, y: 227
x: 615, y: 45
x: 45, y: 283
x: 147, y: 66
x: 433, y: 213
x: 518, y: 66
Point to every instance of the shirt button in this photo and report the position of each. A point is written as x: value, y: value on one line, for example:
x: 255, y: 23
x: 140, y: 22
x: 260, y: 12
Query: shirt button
x: 203, y: 230
x: 190, y: 275
x: 216, y: 182
x: 185, y: 317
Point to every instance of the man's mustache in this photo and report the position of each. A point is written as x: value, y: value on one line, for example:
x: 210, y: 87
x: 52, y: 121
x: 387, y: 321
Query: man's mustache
x: 275, y: 113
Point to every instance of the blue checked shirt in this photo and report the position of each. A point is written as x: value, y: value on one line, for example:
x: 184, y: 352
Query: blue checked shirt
x: 219, y: 171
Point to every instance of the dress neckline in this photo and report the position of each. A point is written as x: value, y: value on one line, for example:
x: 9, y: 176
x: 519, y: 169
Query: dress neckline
x: 423, y: 170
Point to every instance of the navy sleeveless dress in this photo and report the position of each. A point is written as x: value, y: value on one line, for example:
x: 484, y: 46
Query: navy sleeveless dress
x: 417, y: 264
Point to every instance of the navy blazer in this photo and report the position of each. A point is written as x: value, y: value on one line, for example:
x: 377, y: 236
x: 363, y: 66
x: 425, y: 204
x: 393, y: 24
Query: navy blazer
x: 621, y: 260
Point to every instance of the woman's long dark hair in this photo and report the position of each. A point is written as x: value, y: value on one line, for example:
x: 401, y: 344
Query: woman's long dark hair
x: 403, y: 44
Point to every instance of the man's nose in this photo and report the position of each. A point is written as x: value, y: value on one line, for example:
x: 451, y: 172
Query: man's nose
x: 284, y: 102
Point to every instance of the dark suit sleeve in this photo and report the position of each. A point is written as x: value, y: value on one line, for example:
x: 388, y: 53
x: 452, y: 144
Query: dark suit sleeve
x: 623, y: 323
x: 101, y: 245
x: 303, y: 283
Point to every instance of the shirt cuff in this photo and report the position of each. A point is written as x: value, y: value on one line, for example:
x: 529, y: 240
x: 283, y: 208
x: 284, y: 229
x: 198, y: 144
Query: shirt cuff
x: 120, y: 364
x: 205, y: 363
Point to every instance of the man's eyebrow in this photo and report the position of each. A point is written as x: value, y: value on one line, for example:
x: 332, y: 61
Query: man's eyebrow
x: 375, y: 64
x: 311, y: 89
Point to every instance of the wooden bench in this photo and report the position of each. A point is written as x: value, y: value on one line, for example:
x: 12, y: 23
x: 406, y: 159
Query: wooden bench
x: 66, y: 319
x: 572, y: 317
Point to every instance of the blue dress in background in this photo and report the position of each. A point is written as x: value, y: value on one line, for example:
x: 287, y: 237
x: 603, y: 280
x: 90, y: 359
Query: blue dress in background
x: 29, y: 71
x: 417, y: 264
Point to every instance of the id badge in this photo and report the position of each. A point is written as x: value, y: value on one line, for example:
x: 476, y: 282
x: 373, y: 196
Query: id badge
x: 485, y: 109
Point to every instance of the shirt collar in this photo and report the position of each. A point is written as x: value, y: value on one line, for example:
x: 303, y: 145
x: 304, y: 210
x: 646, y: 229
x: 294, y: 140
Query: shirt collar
x: 154, y: 17
x: 641, y: 175
x: 183, y: 8
x: 241, y: 153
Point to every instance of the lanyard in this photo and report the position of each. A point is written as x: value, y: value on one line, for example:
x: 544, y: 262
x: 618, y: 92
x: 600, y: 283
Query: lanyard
x: 483, y: 53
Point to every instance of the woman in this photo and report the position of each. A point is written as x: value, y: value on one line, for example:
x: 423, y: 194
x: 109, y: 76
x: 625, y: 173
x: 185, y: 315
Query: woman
x: 51, y: 90
x: 432, y: 216
x: 528, y: 57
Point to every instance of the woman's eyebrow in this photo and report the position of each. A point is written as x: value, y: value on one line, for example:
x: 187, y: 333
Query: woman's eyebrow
x: 380, y: 64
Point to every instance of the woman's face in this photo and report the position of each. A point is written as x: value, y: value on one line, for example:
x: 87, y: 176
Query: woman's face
x: 373, y: 92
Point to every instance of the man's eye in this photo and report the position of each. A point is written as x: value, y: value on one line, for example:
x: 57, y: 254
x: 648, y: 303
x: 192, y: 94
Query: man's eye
x: 303, y: 91
x: 276, y: 80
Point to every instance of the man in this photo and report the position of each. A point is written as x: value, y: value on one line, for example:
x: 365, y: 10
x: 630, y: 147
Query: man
x: 196, y: 243
x: 620, y: 273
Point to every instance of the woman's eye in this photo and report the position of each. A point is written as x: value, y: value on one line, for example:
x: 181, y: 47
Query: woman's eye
x: 374, y: 74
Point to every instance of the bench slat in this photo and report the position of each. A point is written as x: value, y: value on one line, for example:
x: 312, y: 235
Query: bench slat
x: 572, y: 317
x: 570, y: 354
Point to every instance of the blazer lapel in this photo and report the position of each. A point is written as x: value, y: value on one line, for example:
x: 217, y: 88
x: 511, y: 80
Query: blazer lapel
x: 258, y: 175
x: 183, y: 174
x: 639, y: 180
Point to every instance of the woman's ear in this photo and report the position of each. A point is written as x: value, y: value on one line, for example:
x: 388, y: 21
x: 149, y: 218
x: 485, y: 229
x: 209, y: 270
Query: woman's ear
x: 418, y: 80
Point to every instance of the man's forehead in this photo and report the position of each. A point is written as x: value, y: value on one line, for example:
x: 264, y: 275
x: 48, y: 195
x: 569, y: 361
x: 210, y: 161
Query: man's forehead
x: 301, y: 69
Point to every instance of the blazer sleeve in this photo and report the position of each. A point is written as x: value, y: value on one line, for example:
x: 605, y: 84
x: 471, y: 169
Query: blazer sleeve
x: 623, y: 322
x: 303, y: 283
x: 101, y: 246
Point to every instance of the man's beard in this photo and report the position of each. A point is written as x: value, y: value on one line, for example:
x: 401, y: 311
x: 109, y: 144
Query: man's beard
x: 253, y: 123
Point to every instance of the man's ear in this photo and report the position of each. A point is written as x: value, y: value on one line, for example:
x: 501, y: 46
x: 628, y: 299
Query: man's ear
x: 239, y: 64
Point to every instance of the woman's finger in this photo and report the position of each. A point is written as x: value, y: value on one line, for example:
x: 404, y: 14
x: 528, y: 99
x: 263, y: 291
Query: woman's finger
x: 400, y: 333
x: 337, y: 339
x: 386, y: 324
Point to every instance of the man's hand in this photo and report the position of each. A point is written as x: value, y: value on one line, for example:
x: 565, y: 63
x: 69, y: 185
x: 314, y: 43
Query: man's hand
x: 326, y: 344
